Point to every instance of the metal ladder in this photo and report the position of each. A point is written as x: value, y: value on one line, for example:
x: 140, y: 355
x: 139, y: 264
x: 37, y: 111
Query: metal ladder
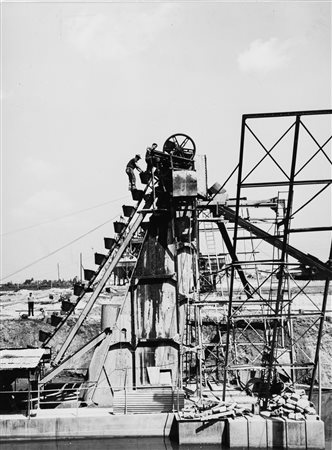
x: 211, y: 249
x: 106, y: 268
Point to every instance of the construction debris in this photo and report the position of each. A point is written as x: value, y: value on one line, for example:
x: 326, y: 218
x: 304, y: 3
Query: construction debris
x: 206, y: 410
x: 293, y: 405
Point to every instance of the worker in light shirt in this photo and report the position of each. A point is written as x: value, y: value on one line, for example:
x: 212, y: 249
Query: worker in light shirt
x: 31, y: 304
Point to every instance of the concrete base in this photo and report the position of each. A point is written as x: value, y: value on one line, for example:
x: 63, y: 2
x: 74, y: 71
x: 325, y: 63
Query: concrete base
x: 260, y: 432
x: 91, y: 423
x: 250, y: 432
x: 191, y: 431
x: 295, y: 432
x: 237, y: 433
x: 257, y: 432
x: 276, y: 433
x: 315, y: 434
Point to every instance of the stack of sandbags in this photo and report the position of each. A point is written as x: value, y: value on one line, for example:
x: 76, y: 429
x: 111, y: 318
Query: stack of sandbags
x: 294, y: 405
x: 205, y: 410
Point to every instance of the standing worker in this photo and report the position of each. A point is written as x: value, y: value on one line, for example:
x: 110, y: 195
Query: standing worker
x: 149, y: 155
x: 131, y: 166
x: 31, y: 303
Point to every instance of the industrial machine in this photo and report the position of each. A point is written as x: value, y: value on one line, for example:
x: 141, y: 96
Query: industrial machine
x: 214, y: 290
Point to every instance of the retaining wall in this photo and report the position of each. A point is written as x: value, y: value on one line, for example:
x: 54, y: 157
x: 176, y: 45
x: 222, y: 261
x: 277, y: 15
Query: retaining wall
x: 108, y: 425
x: 251, y: 432
x: 248, y: 432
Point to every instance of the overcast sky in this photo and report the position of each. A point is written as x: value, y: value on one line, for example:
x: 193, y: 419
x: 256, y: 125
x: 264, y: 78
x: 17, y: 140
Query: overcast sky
x: 85, y: 86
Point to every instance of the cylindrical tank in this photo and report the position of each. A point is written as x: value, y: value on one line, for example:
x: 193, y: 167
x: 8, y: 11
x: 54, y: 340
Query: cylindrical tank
x: 109, y: 313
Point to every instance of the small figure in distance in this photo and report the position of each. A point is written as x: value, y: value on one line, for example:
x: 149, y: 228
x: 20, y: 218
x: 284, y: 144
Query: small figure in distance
x: 31, y: 303
x: 131, y: 166
x: 149, y: 155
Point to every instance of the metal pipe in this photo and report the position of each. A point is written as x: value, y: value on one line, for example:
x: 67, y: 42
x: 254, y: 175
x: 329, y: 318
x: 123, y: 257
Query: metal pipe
x: 200, y: 351
x: 287, y: 183
x: 321, y: 327
x: 229, y: 315
x: 279, y: 296
x: 38, y: 395
x: 319, y: 389
x: 29, y: 395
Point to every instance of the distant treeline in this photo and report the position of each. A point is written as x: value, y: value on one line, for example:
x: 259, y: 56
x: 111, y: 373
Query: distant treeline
x: 37, y: 284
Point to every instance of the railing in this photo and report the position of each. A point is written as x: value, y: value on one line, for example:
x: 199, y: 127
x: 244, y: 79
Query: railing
x: 33, y: 400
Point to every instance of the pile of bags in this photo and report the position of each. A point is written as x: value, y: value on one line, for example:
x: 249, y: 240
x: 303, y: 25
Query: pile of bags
x: 207, y: 409
x: 293, y: 405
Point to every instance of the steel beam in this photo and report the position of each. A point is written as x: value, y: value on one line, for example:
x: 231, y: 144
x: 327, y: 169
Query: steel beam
x: 280, y: 292
x: 65, y: 364
x: 288, y: 114
x: 237, y: 210
x: 235, y: 261
x: 320, y: 330
x: 286, y: 183
x: 276, y: 242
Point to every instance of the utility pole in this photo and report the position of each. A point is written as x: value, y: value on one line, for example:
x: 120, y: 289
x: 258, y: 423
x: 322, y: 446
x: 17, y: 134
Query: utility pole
x: 58, y: 265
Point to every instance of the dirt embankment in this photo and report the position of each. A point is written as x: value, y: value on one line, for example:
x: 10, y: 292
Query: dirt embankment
x: 16, y: 332
x: 20, y: 333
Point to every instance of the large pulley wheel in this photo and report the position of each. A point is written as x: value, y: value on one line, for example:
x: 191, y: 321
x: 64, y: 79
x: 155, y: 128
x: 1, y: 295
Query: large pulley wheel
x: 180, y: 145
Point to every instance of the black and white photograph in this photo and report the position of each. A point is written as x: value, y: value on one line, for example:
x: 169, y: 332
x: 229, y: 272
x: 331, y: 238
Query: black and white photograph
x: 166, y: 219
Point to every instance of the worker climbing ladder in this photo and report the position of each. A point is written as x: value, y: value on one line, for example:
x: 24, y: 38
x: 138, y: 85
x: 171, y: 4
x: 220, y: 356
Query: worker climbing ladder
x: 150, y: 344
x: 167, y: 284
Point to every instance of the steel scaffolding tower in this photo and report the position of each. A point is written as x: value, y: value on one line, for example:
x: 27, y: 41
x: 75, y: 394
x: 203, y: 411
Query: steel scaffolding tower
x: 294, y: 147
x: 248, y: 292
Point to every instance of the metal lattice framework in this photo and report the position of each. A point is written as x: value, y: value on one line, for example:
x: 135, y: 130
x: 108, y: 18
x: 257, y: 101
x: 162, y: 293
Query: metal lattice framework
x: 284, y: 160
x: 265, y: 274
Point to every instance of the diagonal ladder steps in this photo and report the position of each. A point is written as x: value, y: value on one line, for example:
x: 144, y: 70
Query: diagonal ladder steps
x: 211, y: 249
x: 106, y: 268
